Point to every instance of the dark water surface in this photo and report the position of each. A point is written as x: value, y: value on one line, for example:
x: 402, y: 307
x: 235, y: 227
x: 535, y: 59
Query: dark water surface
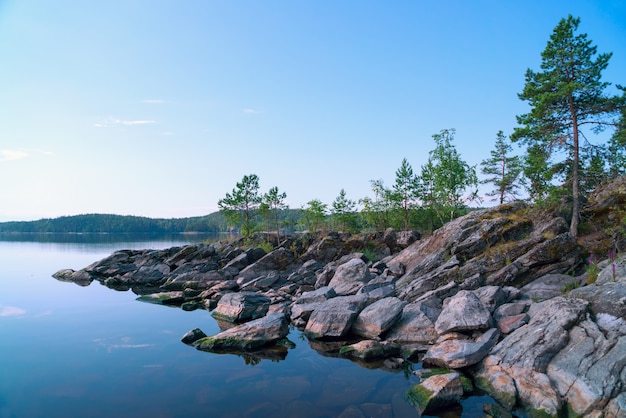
x: 71, y: 351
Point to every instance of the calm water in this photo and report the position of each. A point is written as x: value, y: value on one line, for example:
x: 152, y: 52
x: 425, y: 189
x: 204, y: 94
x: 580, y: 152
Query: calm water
x: 71, y: 351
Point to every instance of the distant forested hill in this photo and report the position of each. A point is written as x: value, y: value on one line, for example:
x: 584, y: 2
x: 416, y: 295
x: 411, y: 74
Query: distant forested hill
x: 100, y: 223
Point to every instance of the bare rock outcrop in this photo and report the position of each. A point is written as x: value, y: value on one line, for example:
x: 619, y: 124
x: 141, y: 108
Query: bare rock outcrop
x: 242, y: 307
x: 248, y: 336
x: 457, y: 353
x: 499, y: 293
x: 463, y: 312
x: 334, y: 317
x: 377, y: 318
x: 350, y: 277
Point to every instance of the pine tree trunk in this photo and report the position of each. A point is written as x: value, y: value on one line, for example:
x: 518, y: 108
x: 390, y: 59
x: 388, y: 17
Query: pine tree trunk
x: 573, y: 229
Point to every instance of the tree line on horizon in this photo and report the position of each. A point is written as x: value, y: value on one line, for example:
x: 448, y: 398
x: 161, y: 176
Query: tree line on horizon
x: 118, y: 224
x: 568, y: 101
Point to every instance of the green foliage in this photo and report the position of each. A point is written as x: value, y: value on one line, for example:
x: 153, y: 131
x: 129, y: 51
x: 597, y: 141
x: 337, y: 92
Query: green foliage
x: 378, y: 213
x: 118, y: 224
x: 314, y: 215
x: 564, y: 97
x: 266, y: 246
x: 592, y: 270
x: 405, y: 191
x: 238, y: 207
x: 343, y: 210
x: 616, y: 151
x: 275, y: 203
x: 537, y: 169
x: 571, y: 286
x: 504, y: 170
x: 447, y: 182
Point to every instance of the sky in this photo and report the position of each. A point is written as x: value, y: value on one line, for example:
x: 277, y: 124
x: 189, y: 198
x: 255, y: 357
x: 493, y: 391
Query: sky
x: 159, y: 107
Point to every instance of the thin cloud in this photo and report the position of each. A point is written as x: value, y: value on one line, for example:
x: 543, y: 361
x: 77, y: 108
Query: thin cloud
x: 153, y: 101
x: 250, y: 111
x: 113, y: 122
x: 11, y: 311
x: 12, y: 154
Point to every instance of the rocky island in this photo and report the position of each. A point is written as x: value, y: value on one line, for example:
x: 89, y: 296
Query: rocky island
x: 501, y: 300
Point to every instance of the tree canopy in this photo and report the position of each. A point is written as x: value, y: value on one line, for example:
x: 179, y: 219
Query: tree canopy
x: 503, y: 170
x: 447, y: 183
x: 239, y: 205
x: 404, y: 192
x: 566, y: 96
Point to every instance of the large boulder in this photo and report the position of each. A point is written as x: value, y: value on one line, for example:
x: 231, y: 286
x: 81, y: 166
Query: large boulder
x: 241, y: 306
x: 406, y: 238
x: 463, y: 312
x: 591, y: 369
x: 369, y: 350
x: 279, y: 260
x: 329, y: 248
x: 417, y: 323
x: 511, y: 386
x: 516, y: 367
x: 306, y: 303
x: 548, y: 286
x: 435, y: 392
x: 491, y: 296
x: 164, y: 298
x: 334, y: 317
x: 378, y: 290
x: 377, y: 318
x: 81, y: 278
x: 609, y: 298
x: 350, y: 277
x: 533, y: 345
x: 457, y: 354
x: 248, y: 336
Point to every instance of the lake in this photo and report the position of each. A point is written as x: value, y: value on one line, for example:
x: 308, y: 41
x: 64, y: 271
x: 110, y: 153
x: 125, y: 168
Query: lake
x: 71, y: 351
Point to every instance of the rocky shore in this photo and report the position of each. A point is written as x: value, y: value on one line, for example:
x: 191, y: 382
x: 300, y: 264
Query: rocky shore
x: 497, y: 301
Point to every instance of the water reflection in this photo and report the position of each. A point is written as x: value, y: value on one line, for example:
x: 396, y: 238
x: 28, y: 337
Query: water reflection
x: 95, y: 243
x: 72, y: 351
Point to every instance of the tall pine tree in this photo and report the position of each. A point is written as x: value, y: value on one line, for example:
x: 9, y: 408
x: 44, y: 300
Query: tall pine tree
x: 564, y: 96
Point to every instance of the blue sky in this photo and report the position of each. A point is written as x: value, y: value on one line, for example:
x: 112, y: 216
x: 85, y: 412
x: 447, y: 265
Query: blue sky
x: 157, y: 108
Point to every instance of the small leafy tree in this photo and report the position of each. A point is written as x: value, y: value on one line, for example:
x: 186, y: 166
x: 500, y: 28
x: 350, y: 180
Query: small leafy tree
x: 405, y: 191
x: 314, y: 215
x: 239, y: 206
x: 275, y: 202
x: 564, y: 97
x: 447, y: 183
x: 377, y: 212
x: 504, y: 170
x: 343, y: 211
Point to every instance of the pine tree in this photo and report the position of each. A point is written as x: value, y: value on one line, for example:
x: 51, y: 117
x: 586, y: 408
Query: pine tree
x: 275, y: 202
x: 405, y: 190
x: 538, y: 171
x: 343, y: 210
x: 567, y: 94
x: 503, y: 168
x: 239, y: 205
